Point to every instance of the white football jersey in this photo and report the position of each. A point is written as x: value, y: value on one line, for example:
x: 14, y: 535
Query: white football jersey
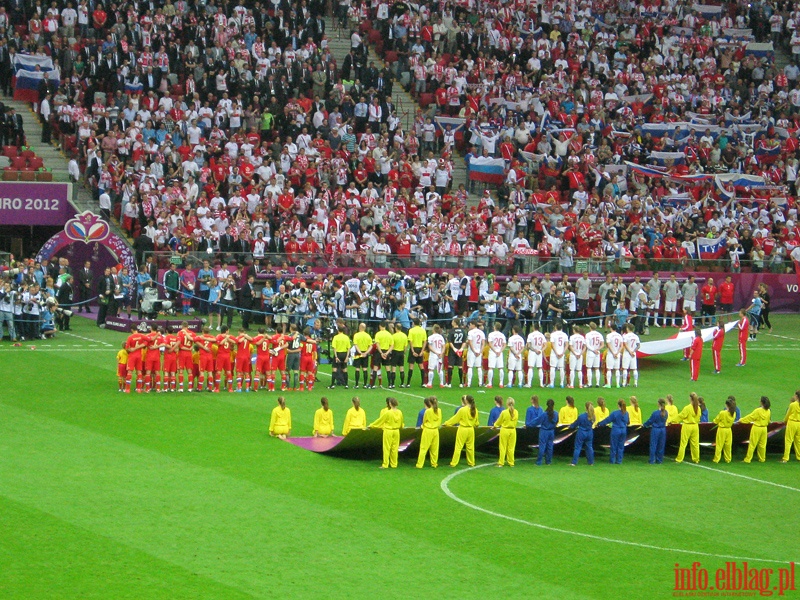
x: 436, y: 343
x: 577, y: 342
x: 497, y: 340
x: 594, y: 341
x: 476, y: 338
x: 631, y: 341
x: 614, y: 342
x: 517, y: 344
x: 536, y: 340
x: 560, y: 341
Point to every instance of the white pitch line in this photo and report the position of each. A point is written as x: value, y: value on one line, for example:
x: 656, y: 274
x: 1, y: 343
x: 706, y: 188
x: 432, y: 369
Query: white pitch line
x: 56, y: 349
x: 80, y: 337
x: 446, y: 489
x: 764, y: 481
x: 784, y: 337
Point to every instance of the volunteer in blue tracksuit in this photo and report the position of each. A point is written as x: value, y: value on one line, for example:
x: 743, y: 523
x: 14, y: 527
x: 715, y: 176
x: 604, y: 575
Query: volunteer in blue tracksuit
x: 533, y: 412
x: 421, y: 416
x: 547, y: 432
x: 658, y: 432
x: 619, y: 420
x: 494, y: 414
x: 585, y: 426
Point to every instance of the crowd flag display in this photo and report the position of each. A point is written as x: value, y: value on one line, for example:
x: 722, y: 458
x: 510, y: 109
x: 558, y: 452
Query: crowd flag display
x: 487, y: 170
x: 30, y: 70
x: 711, y: 248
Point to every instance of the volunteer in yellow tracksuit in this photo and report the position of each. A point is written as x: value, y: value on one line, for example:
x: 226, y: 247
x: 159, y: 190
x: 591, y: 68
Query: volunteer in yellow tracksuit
x: 431, y: 421
x: 507, y: 423
x: 323, y: 420
x: 467, y: 420
x: 724, y: 420
x: 634, y: 412
x: 391, y: 422
x: 792, y: 422
x: 355, y: 418
x: 672, y: 410
x: 280, y: 423
x: 760, y: 418
x: 568, y: 413
x: 690, y: 431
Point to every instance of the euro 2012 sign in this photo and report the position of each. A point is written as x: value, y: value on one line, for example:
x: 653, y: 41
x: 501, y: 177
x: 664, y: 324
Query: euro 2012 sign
x: 89, y: 228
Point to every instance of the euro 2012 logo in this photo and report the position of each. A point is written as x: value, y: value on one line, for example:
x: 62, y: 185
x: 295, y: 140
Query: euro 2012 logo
x: 733, y: 579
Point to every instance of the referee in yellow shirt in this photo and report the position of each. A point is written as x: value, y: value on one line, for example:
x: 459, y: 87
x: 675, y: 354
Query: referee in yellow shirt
x: 399, y: 345
x: 362, y: 341
x: 340, y: 344
x: 382, y: 354
x: 417, y: 339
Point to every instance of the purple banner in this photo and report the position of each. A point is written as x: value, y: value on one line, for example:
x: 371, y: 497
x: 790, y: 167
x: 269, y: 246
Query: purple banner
x: 35, y: 203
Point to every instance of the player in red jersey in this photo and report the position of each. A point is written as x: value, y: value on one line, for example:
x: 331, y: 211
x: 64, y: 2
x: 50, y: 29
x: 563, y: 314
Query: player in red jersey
x: 185, y: 362
x: 263, y: 358
x: 744, y: 334
x: 308, y: 361
x: 716, y: 344
x: 204, y: 343
x: 244, y: 364
x: 135, y: 346
x: 225, y: 345
x: 152, y: 360
x: 169, y: 343
x: 279, y: 342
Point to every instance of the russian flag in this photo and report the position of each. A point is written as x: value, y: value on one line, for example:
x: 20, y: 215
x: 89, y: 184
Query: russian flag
x: 454, y: 122
x: 767, y: 156
x: 660, y: 158
x: 134, y: 88
x: 711, y: 248
x: 29, y: 71
x: 647, y: 170
x: 26, y: 86
x: 487, y: 170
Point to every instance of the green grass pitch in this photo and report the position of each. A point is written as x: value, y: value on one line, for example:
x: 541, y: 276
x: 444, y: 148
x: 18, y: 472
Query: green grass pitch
x: 109, y: 495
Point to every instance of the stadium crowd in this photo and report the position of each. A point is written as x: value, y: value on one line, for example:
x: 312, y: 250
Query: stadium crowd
x: 233, y: 129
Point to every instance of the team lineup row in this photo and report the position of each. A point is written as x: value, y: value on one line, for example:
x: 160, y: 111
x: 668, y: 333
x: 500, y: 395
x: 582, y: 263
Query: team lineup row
x: 548, y: 420
x: 161, y: 361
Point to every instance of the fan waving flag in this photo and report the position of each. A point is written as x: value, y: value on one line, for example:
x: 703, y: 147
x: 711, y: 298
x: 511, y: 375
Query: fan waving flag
x: 30, y: 71
x: 487, y: 170
x: 711, y: 248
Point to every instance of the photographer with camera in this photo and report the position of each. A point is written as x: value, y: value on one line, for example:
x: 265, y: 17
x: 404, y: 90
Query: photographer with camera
x: 31, y: 308
x: 281, y: 303
x: 8, y: 299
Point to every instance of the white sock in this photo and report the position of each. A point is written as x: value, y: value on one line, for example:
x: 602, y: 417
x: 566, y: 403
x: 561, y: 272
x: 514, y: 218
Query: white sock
x: 617, y: 372
x: 500, y: 377
x: 469, y: 377
x: 597, y: 375
x: 624, y: 377
x: 510, y: 378
x: 480, y: 376
x: 490, y: 377
x: 520, y: 378
x: 541, y: 377
x: 530, y: 377
x: 636, y: 376
x: 572, y: 378
x: 608, y: 377
x: 563, y: 376
x: 430, y: 377
x: 552, y: 376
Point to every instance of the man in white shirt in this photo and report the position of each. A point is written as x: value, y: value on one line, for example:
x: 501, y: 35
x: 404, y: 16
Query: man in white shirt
x: 594, y: 347
x: 614, y: 355
x: 475, y: 342
x: 560, y: 343
x: 631, y: 345
x: 535, y: 342
x: 577, y: 345
x: 497, y: 345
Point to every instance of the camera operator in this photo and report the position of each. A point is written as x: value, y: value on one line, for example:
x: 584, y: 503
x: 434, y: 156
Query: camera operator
x: 8, y: 298
x: 280, y: 307
x: 64, y: 297
x: 31, y: 301
x: 301, y: 299
x: 48, y: 328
